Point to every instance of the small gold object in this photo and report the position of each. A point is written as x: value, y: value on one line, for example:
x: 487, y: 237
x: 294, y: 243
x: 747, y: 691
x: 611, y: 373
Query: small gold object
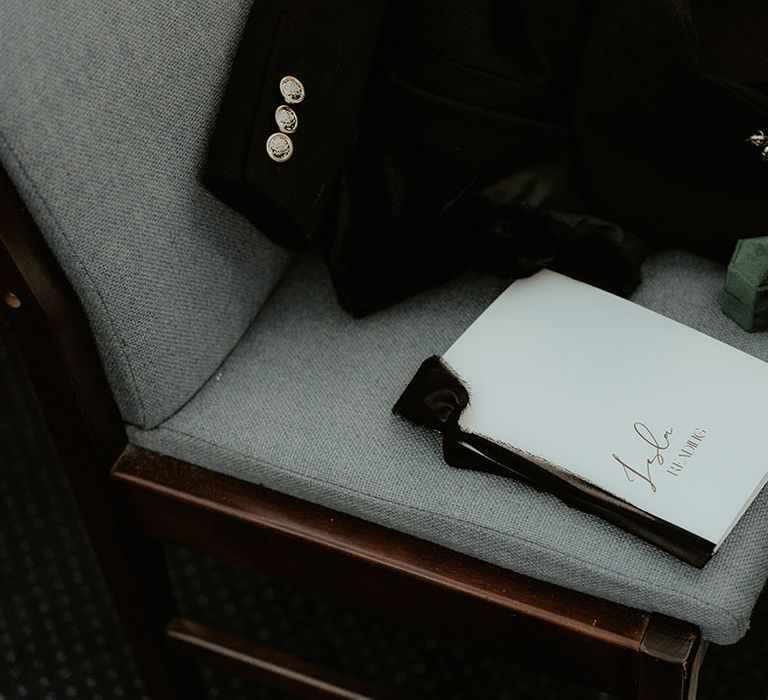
x: 11, y: 300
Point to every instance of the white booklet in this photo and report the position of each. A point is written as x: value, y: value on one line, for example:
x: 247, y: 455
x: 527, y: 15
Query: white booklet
x: 663, y: 417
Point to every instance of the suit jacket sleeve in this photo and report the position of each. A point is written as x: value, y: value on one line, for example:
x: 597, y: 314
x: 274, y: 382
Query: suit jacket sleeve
x: 330, y: 47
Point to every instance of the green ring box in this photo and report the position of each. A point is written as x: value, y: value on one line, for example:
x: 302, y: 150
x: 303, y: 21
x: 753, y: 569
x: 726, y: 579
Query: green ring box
x: 746, y: 284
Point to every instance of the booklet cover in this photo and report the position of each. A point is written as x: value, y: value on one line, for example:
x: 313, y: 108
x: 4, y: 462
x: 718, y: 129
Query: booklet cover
x: 615, y: 408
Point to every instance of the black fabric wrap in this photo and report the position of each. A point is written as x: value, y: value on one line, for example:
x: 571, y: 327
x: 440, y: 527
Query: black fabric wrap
x: 465, y: 158
x: 499, y: 135
x: 436, y: 397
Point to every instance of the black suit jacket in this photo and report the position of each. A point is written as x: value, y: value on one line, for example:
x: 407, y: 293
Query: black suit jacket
x: 503, y: 135
x: 329, y: 46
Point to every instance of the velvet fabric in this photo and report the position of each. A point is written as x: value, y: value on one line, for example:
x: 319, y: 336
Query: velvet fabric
x: 745, y: 297
x: 436, y: 397
x: 668, y: 93
x: 505, y: 136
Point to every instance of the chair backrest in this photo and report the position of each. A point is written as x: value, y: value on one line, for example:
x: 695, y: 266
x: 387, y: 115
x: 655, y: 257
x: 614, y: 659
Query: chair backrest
x: 105, y: 108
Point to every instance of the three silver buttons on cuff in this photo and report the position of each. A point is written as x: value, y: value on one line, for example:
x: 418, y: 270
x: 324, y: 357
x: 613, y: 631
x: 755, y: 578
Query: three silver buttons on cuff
x: 280, y: 144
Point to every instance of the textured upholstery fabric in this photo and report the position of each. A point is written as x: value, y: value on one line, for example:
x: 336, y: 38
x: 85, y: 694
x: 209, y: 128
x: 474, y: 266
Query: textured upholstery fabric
x: 303, y: 406
x: 105, y: 108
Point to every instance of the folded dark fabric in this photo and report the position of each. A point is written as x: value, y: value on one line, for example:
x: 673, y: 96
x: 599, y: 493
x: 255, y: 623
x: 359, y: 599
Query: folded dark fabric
x: 668, y: 93
x: 505, y: 136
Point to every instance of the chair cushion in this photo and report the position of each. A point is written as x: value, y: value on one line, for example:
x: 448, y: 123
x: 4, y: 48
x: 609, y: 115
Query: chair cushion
x: 105, y: 109
x: 303, y: 407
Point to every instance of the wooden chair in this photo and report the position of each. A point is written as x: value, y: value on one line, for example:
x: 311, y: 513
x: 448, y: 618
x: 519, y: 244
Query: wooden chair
x: 132, y: 499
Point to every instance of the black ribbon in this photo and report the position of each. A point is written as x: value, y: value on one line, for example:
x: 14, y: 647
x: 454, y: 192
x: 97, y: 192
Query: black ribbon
x: 436, y: 397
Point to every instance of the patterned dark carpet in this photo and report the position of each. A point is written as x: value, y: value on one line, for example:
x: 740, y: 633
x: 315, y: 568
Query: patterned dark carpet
x: 59, y: 638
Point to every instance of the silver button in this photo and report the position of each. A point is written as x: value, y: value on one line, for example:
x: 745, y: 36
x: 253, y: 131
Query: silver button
x: 292, y: 89
x: 279, y: 147
x: 287, y: 120
x: 760, y: 140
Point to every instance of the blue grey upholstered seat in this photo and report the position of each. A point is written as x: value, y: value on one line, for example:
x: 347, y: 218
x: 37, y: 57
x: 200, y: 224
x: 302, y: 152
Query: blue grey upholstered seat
x: 302, y: 406
x: 219, y: 356
x: 104, y: 110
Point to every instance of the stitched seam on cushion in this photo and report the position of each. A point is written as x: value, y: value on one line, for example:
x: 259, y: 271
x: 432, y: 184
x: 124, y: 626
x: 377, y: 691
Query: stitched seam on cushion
x: 60, y: 230
x: 275, y: 287
x: 541, y: 547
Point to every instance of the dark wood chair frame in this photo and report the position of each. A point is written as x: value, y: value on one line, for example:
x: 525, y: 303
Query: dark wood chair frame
x: 132, y: 499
